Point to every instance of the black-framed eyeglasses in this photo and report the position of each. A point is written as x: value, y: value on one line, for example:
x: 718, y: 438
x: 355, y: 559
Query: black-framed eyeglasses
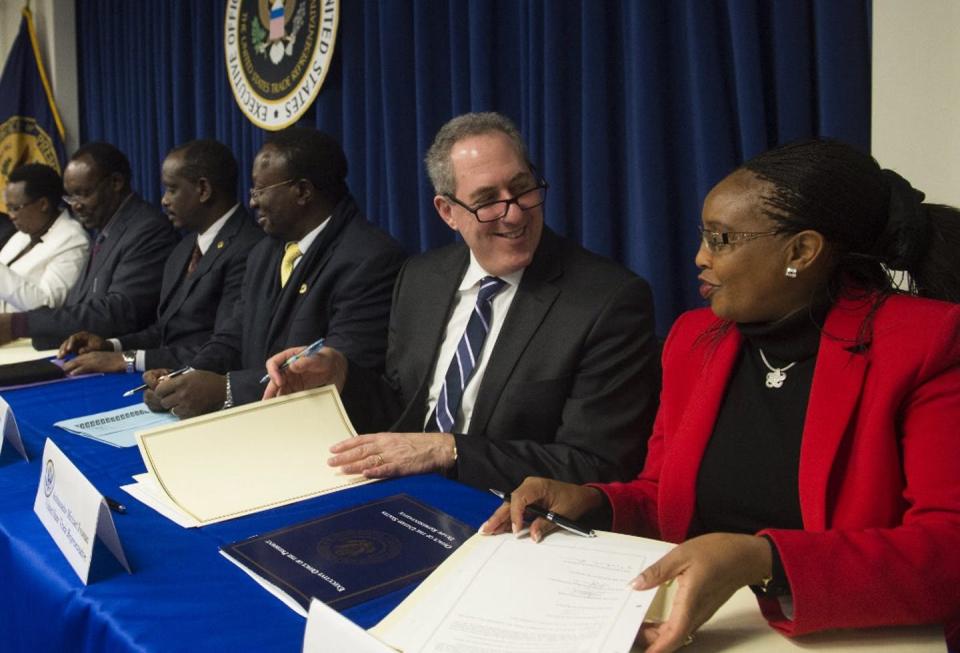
x: 497, y: 209
x: 718, y: 241
x: 16, y: 208
x: 73, y: 198
x: 256, y: 192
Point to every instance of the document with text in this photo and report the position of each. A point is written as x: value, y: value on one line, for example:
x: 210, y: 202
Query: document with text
x: 509, y: 595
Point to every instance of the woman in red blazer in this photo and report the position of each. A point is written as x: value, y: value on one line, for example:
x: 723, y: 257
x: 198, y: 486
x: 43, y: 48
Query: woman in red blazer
x: 809, y: 428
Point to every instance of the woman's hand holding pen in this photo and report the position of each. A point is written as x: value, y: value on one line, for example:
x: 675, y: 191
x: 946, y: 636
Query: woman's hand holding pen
x: 571, y: 501
x: 325, y: 367
x: 708, y: 570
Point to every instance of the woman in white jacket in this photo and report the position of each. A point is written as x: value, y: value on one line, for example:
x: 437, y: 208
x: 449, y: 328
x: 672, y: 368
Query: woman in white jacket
x: 42, y: 261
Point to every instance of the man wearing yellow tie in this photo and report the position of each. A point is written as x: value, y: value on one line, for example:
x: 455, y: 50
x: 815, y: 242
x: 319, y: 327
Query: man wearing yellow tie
x: 324, y: 271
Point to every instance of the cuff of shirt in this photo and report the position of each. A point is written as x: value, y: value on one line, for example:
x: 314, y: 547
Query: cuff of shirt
x: 141, y: 361
x: 115, y: 343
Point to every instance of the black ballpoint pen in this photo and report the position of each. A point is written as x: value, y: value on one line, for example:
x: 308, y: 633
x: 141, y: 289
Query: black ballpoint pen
x: 182, y: 370
x: 115, y: 505
x: 559, y: 520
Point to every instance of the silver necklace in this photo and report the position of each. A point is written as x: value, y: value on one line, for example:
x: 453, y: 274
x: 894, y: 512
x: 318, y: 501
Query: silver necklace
x: 777, y: 375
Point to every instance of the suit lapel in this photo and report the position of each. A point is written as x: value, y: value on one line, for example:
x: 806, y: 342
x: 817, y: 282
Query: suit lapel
x: 535, y: 295
x: 115, y: 233
x: 709, y: 366
x: 173, y: 273
x: 305, y: 274
x: 437, y: 296
x: 834, y: 395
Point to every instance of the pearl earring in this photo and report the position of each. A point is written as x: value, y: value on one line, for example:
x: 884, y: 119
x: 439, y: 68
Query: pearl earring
x: 791, y: 272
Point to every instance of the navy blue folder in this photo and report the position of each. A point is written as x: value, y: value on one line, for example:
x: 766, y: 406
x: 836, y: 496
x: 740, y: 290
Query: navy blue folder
x: 356, y: 554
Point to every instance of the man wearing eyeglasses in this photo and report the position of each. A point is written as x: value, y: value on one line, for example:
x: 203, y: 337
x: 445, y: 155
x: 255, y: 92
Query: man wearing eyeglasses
x: 119, y: 286
x: 202, y: 277
x: 324, y: 271
x: 515, y: 353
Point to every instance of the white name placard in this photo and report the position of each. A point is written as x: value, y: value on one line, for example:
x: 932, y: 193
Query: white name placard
x: 9, y: 429
x: 74, y: 512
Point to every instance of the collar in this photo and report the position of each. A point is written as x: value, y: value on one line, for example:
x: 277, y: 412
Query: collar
x: 305, y: 242
x: 475, y: 273
x: 206, y: 239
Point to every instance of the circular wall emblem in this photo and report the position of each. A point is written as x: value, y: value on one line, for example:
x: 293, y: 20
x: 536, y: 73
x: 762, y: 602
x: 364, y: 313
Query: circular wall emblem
x: 48, y: 478
x: 22, y: 141
x: 359, y: 547
x: 278, y: 53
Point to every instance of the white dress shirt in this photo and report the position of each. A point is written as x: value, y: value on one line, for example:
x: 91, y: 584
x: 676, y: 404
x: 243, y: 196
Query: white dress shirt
x: 44, y: 275
x: 464, y: 302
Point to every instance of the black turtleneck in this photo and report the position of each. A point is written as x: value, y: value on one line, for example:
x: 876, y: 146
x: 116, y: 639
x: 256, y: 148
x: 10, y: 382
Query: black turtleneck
x: 748, y: 478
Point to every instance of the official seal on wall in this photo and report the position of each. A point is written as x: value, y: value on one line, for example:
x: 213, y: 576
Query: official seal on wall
x: 23, y: 140
x: 278, y: 53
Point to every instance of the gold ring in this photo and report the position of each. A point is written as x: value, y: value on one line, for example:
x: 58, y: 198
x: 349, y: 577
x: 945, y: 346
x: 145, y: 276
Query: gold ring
x: 379, y: 460
x: 689, y: 640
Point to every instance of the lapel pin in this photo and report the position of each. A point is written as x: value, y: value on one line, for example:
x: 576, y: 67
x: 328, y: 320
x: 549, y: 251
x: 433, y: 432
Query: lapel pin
x: 303, y: 289
x: 220, y: 245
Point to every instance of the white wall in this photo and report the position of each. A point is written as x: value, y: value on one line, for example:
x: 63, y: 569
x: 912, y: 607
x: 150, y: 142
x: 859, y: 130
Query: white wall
x: 56, y: 31
x: 916, y: 93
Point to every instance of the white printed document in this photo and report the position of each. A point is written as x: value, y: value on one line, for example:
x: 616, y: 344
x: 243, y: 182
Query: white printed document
x: 501, y: 594
x: 116, y: 427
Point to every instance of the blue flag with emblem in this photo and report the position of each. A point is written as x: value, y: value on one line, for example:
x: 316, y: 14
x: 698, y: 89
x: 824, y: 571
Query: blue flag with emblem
x: 30, y: 127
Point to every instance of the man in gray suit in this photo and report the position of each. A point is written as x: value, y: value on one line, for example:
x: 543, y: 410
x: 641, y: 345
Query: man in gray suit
x: 119, y: 287
x: 203, y: 276
x: 515, y: 353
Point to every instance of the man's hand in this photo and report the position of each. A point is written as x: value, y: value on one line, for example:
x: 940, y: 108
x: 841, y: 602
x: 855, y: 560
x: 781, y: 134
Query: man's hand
x: 152, y: 378
x: 82, y: 342
x: 96, y: 361
x: 571, y: 501
x: 6, y: 328
x: 708, y: 570
x: 383, y: 455
x: 188, y: 395
x: 325, y: 367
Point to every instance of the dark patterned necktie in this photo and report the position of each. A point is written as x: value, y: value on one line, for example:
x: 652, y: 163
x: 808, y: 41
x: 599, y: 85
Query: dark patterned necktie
x: 194, y: 260
x: 467, y: 354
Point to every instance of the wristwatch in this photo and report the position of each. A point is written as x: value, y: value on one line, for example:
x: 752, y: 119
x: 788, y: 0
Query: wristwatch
x: 130, y: 358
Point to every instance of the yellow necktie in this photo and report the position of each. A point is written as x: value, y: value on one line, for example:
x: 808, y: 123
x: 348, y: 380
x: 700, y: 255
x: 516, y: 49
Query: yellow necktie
x: 290, y: 255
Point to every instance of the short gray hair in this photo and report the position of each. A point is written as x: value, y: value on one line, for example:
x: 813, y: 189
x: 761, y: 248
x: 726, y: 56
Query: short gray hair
x: 439, y: 165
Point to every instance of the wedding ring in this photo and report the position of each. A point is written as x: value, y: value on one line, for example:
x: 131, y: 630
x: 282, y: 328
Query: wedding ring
x: 379, y: 460
x: 689, y: 640
x: 173, y: 411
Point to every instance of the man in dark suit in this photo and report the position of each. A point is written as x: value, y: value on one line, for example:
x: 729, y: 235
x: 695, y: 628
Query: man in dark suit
x: 516, y: 353
x: 323, y: 272
x: 202, y: 277
x: 119, y: 287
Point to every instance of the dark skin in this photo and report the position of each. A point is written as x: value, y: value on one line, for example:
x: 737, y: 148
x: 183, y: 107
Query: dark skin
x: 743, y: 282
x: 287, y: 209
x: 192, y: 204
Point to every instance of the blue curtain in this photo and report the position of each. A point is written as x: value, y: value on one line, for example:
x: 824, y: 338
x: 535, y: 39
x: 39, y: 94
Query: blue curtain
x: 632, y: 109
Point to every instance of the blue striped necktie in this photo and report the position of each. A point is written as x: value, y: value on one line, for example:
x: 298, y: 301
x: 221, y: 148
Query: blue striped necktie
x: 467, y: 354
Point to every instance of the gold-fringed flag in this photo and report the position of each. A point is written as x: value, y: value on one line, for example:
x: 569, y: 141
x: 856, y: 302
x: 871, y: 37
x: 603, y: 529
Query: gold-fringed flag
x: 30, y: 127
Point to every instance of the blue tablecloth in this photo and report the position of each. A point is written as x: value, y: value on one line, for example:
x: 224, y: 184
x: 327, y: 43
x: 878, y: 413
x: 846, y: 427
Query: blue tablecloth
x: 183, y: 595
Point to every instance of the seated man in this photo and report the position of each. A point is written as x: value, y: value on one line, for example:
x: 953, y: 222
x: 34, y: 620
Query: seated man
x: 524, y: 352
x: 324, y: 271
x: 118, y: 289
x: 42, y: 260
x: 202, y: 277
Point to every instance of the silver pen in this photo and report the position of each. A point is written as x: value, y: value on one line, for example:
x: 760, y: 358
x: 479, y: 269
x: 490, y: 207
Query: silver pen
x: 182, y: 370
x: 311, y: 349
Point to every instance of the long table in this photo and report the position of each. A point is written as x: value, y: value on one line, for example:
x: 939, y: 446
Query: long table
x: 183, y: 595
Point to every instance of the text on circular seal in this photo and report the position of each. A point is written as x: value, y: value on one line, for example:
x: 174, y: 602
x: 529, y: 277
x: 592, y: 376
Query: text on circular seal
x: 277, y: 54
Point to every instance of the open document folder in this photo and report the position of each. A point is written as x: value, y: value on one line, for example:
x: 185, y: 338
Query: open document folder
x: 240, y: 461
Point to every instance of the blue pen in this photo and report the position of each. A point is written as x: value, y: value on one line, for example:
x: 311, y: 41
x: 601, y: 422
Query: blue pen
x: 309, y: 351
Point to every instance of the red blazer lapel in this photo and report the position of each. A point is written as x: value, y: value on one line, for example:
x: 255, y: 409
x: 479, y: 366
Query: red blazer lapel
x: 834, y: 395
x: 708, y: 367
